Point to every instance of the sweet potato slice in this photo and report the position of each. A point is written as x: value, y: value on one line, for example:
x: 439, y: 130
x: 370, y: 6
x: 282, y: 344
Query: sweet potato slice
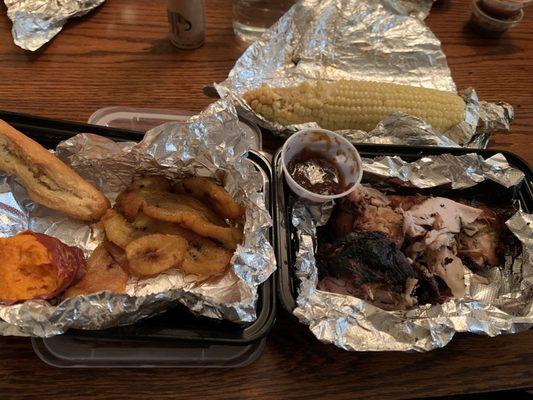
x: 37, y: 266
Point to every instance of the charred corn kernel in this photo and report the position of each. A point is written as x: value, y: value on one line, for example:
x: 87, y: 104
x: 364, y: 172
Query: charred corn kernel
x: 355, y: 104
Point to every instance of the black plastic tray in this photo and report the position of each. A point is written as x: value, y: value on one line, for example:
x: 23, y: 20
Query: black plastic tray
x: 178, y: 323
x: 287, y: 283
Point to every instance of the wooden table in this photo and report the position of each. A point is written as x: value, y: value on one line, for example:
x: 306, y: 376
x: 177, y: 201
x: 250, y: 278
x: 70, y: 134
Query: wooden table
x: 120, y: 55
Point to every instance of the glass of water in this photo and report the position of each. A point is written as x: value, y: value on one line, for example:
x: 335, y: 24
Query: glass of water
x: 253, y: 17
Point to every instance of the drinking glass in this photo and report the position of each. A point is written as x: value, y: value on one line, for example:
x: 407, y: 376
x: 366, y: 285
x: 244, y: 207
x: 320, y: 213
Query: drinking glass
x: 253, y: 17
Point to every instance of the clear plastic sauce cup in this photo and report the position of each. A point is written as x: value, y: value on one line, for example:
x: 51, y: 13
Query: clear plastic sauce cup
x: 505, y: 8
x: 493, y: 24
x: 329, y: 145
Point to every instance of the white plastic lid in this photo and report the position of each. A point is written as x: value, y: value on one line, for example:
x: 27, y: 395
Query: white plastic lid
x: 144, y: 119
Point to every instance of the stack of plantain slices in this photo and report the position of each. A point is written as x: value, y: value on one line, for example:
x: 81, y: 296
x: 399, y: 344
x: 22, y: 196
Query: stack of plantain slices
x: 193, y: 225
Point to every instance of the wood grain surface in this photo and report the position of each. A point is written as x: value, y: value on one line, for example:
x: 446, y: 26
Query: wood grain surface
x: 120, y: 55
x: 294, y: 366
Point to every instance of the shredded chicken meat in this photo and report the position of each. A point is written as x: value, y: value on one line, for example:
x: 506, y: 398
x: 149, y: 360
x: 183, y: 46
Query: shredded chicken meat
x: 431, y: 238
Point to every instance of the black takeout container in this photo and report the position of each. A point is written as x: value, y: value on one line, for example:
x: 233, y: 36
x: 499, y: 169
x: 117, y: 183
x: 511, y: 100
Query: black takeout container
x: 285, y: 233
x: 173, y: 338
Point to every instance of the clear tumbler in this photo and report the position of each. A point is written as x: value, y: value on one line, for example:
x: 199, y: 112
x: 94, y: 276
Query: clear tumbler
x: 253, y: 17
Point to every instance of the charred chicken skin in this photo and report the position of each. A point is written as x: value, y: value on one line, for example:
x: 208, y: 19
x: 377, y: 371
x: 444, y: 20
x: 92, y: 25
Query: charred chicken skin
x: 377, y: 271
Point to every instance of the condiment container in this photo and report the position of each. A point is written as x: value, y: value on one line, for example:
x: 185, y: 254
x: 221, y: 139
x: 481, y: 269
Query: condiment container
x: 186, y: 23
x: 504, y: 8
x: 493, y: 24
x: 330, y: 146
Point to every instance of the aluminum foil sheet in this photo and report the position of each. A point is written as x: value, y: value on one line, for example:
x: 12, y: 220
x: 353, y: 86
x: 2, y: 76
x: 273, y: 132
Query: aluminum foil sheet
x: 210, y: 144
x: 505, y: 305
x: 36, y: 22
x: 373, y: 40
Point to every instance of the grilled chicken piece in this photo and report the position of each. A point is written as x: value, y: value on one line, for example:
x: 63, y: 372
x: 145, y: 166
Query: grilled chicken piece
x: 377, y: 293
x: 447, y: 266
x: 439, y: 213
x: 480, y: 241
x: 436, y: 233
x: 375, y: 270
x: 368, y: 209
x: 405, y: 202
x: 435, y: 223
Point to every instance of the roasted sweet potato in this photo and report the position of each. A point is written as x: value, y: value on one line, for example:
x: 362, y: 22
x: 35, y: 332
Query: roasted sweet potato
x: 37, y: 266
x: 103, y: 273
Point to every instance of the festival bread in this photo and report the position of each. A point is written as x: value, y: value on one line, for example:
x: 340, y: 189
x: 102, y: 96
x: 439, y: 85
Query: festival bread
x: 47, y: 179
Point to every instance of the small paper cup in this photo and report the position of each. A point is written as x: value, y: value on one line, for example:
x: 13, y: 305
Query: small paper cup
x: 330, y: 145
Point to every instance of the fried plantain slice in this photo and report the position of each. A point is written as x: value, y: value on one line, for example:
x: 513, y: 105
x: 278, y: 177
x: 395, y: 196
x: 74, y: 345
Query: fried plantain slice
x: 183, y: 210
x: 146, y: 225
x: 209, y: 190
x: 151, y: 182
x: 117, y: 229
x: 117, y: 254
x: 129, y: 203
x: 152, y: 254
x: 230, y: 237
x: 204, y: 257
x: 200, y: 207
x: 102, y: 273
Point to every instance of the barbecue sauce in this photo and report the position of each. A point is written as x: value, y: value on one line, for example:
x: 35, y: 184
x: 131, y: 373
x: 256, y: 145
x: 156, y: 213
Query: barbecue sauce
x: 317, y: 173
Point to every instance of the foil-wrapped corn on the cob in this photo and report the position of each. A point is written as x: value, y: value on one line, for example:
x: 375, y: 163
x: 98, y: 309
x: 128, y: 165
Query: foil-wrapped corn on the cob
x: 350, y: 104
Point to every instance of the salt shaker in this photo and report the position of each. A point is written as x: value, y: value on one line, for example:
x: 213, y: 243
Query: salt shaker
x: 186, y: 22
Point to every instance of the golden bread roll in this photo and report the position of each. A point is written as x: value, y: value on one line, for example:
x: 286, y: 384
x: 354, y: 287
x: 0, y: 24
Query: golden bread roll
x: 47, y: 179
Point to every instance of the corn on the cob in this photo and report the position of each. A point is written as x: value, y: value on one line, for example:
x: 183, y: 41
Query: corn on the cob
x: 348, y: 104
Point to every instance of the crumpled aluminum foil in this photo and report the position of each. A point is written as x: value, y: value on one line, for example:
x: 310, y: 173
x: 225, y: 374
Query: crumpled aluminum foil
x: 210, y: 144
x: 36, y: 22
x: 374, y: 40
x: 503, y: 306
